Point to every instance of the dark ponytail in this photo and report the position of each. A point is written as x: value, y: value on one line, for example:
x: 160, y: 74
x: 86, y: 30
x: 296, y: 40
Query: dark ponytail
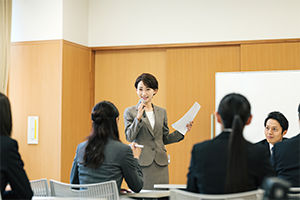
x: 104, y: 126
x: 235, y: 111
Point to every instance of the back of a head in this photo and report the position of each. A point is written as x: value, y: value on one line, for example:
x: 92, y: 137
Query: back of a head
x: 280, y: 118
x: 235, y: 110
x: 5, y: 116
x: 231, y: 105
x: 104, y: 116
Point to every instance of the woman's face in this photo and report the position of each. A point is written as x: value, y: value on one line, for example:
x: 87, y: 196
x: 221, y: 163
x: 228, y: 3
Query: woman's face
x: 145, y: 92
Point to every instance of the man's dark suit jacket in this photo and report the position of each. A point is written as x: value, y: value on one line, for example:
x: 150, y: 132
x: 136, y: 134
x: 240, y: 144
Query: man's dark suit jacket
x: 266, y: 145
x: 207, y: 172
x: 286, y: 160
x: 12, y: 171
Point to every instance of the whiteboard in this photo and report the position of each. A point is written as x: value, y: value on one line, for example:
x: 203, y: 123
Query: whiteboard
x: 266, y: 91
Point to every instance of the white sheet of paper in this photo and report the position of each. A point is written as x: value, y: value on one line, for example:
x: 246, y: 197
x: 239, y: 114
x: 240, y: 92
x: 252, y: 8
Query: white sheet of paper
x: 180, y: 125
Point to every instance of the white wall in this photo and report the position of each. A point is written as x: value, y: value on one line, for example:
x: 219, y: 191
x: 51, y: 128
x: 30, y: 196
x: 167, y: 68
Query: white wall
x: 75, y: 21
x: 135, y: 22
x: 50, y: 20
x: 36, y: 20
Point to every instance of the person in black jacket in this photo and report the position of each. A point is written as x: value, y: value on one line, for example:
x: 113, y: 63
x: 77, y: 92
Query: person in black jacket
x: 229, y: 163
x: 11, y: 165
x: 286, y: 158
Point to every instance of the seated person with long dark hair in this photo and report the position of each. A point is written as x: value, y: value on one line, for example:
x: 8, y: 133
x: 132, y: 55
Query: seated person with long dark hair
x: 103, y: 157
x: 229, y: 163
x: 11, y: 164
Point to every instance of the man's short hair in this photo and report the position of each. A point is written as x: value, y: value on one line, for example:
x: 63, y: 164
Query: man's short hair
x: 280, y: 118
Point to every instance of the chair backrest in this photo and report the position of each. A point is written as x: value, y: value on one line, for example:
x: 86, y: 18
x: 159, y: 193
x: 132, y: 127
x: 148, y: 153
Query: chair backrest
x: 294, y: 193
x: 176, y: 194
x: 40, y: 188
x: 107, y: 190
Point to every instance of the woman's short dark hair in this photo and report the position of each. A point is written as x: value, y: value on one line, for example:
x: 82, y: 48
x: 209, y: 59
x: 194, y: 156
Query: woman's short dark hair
x: 235, y: 111
x: 105, y: 126
x: 148, y: 79
x: 5, y: 116
x: 280, y: 118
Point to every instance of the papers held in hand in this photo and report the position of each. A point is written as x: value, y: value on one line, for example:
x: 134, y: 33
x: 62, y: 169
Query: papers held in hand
x: 180, y: 125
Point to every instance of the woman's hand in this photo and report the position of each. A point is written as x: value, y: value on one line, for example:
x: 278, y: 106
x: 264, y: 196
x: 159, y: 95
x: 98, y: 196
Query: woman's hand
x: 189, y: 126
x: 141, y: 110
x: 135, y: 150
x: 123, y: 190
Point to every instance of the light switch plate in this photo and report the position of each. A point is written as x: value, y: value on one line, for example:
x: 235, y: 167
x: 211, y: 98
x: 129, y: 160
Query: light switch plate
x: 33, y: 130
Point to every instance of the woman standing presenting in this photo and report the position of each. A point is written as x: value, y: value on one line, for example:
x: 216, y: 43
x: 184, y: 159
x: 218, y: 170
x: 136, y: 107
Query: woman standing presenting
x: 147, y: 124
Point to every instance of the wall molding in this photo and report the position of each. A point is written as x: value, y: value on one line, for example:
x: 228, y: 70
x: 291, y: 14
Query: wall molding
x: 76, y: 45
x: 161, y: 46
x: 203, y: 44
x: 50, y: 41
x: 34, y: 42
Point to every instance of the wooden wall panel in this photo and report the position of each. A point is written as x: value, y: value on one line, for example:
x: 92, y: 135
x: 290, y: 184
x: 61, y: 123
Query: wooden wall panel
x: 76, y: 104
x: 187, y: 77
x: 35, y: 90
x: 265, y: 57
x: 190, y: 78
x: 115, y: 74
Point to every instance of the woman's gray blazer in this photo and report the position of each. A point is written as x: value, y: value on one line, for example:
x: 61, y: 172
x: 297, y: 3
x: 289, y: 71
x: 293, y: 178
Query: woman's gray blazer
x: 118, y: 163
x: 154, y: 141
